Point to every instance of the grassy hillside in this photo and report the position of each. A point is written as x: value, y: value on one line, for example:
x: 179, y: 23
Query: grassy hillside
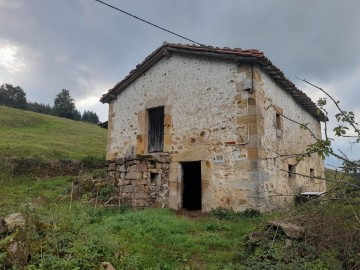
x: 63, y: 231
x: 25, y: 134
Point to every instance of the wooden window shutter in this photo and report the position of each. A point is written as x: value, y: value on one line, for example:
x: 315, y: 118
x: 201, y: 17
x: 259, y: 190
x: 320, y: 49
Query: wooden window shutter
x: 156, y: 129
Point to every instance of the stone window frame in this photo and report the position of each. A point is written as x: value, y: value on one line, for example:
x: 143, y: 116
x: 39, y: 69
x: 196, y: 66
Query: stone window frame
x: 143, y: 136
x: 312, y: 173
x: 291, y: 171
x: 158, y: 141
x: 278, y: 121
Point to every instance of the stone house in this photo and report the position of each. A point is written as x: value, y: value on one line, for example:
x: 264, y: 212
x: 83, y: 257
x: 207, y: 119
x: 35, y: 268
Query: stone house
x: 202, y: 128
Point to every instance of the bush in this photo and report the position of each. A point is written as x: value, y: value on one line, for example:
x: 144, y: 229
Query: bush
x: 331, y: 240
x: 62, y: 239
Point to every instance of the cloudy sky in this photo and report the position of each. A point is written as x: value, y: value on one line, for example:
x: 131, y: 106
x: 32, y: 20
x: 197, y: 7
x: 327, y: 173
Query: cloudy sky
x: 86, y: 47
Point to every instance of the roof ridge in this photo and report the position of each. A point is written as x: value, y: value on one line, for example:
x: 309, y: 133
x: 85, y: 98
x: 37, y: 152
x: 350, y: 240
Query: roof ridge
x: 251, y: 55
x: 211, y: 48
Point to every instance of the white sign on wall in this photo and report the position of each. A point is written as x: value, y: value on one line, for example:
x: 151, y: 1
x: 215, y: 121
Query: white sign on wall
x: 218, y: 158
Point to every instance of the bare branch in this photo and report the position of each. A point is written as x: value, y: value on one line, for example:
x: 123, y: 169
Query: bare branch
x: 285, y: 156
x: 294, y: 121
x: 322, y: 178
x: 335, y: 102
x: 344, y: 159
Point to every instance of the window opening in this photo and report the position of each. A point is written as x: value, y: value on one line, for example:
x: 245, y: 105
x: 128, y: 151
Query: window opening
x: 156, y: 129
x: 291, y: 171
x: 153, y: 177
x: 278, y: 121
x: 312, y: 173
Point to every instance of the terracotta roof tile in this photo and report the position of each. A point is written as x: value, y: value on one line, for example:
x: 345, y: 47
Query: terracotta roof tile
x: 239, y: 54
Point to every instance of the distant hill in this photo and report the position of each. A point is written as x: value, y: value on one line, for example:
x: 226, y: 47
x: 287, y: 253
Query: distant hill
x: 29, y: 134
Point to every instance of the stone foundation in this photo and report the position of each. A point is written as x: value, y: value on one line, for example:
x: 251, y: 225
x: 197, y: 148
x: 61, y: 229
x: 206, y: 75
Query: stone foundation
x: 142, y: 179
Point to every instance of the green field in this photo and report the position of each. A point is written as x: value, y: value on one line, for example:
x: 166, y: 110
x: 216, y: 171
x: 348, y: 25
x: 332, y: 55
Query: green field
x: 61, y: 233
x: 74, y: 235
x: 24, y: 134
x: 65, y: 233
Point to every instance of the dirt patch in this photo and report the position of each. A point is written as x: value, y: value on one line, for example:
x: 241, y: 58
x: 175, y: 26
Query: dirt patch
x: 197, y: 214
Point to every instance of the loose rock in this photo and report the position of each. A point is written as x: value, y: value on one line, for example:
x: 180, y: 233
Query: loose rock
x: 291, y: 230
x: 107, y: 266
x: 13, y: 221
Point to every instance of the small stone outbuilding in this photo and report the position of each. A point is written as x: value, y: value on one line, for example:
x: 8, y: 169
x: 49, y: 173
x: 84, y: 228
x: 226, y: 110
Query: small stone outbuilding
x: 202, y: 128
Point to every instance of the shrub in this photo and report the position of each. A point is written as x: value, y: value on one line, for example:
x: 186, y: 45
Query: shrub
x: 62, y: 239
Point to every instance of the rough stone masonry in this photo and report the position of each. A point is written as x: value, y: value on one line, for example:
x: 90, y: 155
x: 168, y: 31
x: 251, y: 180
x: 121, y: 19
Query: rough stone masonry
x: 142, y: 179
x: 221, y: 120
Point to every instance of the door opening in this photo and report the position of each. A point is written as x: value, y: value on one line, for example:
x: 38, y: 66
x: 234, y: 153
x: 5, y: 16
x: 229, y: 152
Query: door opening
x: 191, y: 197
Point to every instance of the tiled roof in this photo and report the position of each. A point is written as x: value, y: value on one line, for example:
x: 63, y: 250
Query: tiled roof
x: 252, y: 56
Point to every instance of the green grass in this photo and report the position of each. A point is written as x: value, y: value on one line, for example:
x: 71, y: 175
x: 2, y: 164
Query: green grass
x: 46, y: 137
x: 65, y: 234
x: 82, y: 236
x: 160, y: 237
x: 22, y: 190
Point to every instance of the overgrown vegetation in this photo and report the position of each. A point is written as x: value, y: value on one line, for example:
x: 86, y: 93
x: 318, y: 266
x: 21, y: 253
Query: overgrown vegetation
x: 60, y: 234
x: 67, y: 225
x: 64, y: 231
x: 330, y: 240
x: 331, y: 223
x: 273, y: 250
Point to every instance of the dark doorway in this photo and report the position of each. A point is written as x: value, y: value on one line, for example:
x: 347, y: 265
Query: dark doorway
x: 191, y: 197
x: 156, y: 129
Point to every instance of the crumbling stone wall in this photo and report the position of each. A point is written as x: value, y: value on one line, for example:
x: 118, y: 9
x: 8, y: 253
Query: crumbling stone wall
x: 142, y: 179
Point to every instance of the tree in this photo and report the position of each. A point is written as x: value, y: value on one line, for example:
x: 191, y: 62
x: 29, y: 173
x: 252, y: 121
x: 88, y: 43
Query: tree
x: 76, y: 115
x: 64, y: 106
x: 39, y: 107
x: 91, y: 117
x: 12, y: 96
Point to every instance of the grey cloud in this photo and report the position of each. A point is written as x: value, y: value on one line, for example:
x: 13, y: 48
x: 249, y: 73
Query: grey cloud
x: 317, y: 40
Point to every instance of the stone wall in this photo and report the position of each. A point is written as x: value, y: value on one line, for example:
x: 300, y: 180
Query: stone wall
x: 278, y: 148
x: 142, y: 179
x: 213, y: 108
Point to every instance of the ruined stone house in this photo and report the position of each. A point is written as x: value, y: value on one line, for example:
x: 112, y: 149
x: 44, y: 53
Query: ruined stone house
x: 202, y: 128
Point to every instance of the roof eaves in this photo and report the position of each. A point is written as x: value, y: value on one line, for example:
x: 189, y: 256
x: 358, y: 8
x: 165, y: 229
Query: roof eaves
x: 133, y: 74
x: 251, y: 55
x: 300, y: 97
